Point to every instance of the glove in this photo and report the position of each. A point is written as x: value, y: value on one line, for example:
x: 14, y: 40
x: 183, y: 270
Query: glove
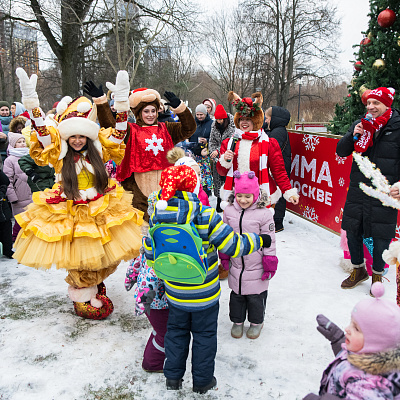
x: 224, y: 260
x: 131, y: 278
x: 270, y: 264
x: 33, y: 175
x: 121, y: 87
x: 27, y: 85
x: 145, y: 297
x: 328, y: 329
x: 92, y: 90
x: 266, y: 240
x: 173, y: 101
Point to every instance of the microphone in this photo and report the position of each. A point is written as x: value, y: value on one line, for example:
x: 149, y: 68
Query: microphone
x: 368, y: 117
x: 235, y: 137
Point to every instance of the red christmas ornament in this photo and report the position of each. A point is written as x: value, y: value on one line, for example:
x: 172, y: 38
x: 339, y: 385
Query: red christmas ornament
x: 364, y: 96
x: 365, y: 42
x: 358, y: 65
x: 349, y: 95
x: 386, y: 18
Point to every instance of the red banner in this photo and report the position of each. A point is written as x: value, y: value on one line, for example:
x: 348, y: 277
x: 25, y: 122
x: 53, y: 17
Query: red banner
x: 322, y: 179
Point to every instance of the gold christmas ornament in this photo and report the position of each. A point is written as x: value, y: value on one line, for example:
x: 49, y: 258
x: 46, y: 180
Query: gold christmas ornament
x: 370, y: 36
x: 353, y: 82
x: 362, y: 89
x: 379, y: 64
x: 398, y: 40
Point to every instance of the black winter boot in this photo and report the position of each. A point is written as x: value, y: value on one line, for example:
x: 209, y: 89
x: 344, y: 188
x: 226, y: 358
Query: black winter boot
x: 219, y: 209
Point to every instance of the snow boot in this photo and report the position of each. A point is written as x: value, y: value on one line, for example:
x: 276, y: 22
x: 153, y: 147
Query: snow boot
x: 218, y: 208
x: 278, y: 226
x: 237, y: 330
x: 375, y: 278
x: 174, y: 384
x: 358, y: 275
x: 254, y: 331
x: 206, y: 388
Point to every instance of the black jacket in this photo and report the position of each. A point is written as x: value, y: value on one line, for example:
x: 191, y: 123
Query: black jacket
x: 203, y: 129
x: 363, y: 214
x: 5, y: 209
x: 277, y: 130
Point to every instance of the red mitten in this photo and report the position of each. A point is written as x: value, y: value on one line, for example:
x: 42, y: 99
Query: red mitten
x: 365, y: 140
x: 270, y: 264
x: 224, y: 260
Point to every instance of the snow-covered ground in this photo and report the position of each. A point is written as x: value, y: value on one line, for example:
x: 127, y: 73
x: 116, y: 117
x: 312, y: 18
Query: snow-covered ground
x: 47, y: 352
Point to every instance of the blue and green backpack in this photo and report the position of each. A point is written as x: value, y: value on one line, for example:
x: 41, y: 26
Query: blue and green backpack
x: 178, y: 253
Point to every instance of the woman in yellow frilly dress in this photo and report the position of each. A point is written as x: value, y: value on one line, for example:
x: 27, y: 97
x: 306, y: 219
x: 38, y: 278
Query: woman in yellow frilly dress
x: 85, y: 223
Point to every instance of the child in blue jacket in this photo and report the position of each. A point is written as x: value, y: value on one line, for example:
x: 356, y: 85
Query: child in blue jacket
x: 193, y: 309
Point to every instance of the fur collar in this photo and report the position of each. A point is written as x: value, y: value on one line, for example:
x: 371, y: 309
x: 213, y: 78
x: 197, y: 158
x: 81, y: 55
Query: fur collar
x: 381, y: 363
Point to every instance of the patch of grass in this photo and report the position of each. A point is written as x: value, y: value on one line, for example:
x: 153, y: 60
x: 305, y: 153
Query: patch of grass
x: 34, y: 307
x: 41, y: 359
x: 122, y: 392
x: 130, y: 323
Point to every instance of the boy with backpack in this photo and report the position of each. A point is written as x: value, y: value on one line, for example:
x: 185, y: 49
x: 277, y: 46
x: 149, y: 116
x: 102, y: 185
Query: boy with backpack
x: 193, y: 307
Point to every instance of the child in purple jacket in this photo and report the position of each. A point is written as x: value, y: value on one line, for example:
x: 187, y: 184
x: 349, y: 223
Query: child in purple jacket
x: 249, y: 275
x: 367, y: 363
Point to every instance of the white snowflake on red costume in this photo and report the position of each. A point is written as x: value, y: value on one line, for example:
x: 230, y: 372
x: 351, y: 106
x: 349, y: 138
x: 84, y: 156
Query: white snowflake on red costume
x: 154, y: 144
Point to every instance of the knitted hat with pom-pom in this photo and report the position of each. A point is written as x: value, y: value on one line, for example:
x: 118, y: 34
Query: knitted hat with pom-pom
x: 247, y: 183
x: 379, y: 321
x: 177, y: 178
x: 383, y: 94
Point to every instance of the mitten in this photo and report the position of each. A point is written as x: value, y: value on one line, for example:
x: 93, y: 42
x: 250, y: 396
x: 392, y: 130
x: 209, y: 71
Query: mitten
x: 145, y: 297
x: 330, y: 330
x: 121, y: 91
x: 224, y: 260
x: 27, y: 85
x: 270, y: 264
x: 92, y: 90
x: 131, y: 278
x: 173, y: 100
x: 266, y: 239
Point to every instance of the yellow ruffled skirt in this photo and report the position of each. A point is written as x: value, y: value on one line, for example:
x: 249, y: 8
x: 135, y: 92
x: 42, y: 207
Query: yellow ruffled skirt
x: 92, y: 236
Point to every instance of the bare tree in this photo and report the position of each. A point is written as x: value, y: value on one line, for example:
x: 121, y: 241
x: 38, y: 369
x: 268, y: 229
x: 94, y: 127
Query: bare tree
x: 297, y: 36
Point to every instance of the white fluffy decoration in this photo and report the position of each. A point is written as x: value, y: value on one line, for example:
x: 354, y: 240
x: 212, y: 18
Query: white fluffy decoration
x: 81, y: 295
x: 95, y: 302
x: 224, y: 204
x: 83, y: 107
x: 63, y: 104
x: 161, y: 205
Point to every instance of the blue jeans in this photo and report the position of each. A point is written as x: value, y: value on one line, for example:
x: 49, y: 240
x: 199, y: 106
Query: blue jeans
x: 355, y: 243
x: 202, y: 325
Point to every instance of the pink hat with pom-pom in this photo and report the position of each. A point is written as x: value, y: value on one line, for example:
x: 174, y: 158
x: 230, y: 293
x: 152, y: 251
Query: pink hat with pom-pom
x: 246, y: 183
x: 379, y: 321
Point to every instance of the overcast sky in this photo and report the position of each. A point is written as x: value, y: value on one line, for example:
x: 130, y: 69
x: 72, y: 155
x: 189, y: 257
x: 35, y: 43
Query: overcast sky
x: 354, y: 20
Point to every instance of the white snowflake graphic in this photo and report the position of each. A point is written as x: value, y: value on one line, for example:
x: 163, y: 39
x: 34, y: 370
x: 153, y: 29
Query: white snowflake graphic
x: 310, y: 141
x: 340, y: 160
x: 154, y: 144
x: 341, y: 181
x: 309, y: 213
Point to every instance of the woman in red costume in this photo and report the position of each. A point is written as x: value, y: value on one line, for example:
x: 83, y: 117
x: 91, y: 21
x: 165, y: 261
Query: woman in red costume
x: 254, y: 151
x: 86, y: 223
x: 148, y: 141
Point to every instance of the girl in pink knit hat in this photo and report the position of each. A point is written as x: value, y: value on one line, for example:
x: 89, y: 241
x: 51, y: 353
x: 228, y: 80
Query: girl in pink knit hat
x: 249, y: 275
x: 367, y: 362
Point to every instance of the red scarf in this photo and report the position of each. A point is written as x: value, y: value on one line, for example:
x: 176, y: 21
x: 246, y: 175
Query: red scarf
x: 370, y: 127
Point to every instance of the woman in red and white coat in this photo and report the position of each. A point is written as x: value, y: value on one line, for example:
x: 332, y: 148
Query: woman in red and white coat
x: 254, y: 151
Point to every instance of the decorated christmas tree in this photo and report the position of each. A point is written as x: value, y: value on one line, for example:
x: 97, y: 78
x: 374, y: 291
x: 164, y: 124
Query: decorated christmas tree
x: 377, y: 64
